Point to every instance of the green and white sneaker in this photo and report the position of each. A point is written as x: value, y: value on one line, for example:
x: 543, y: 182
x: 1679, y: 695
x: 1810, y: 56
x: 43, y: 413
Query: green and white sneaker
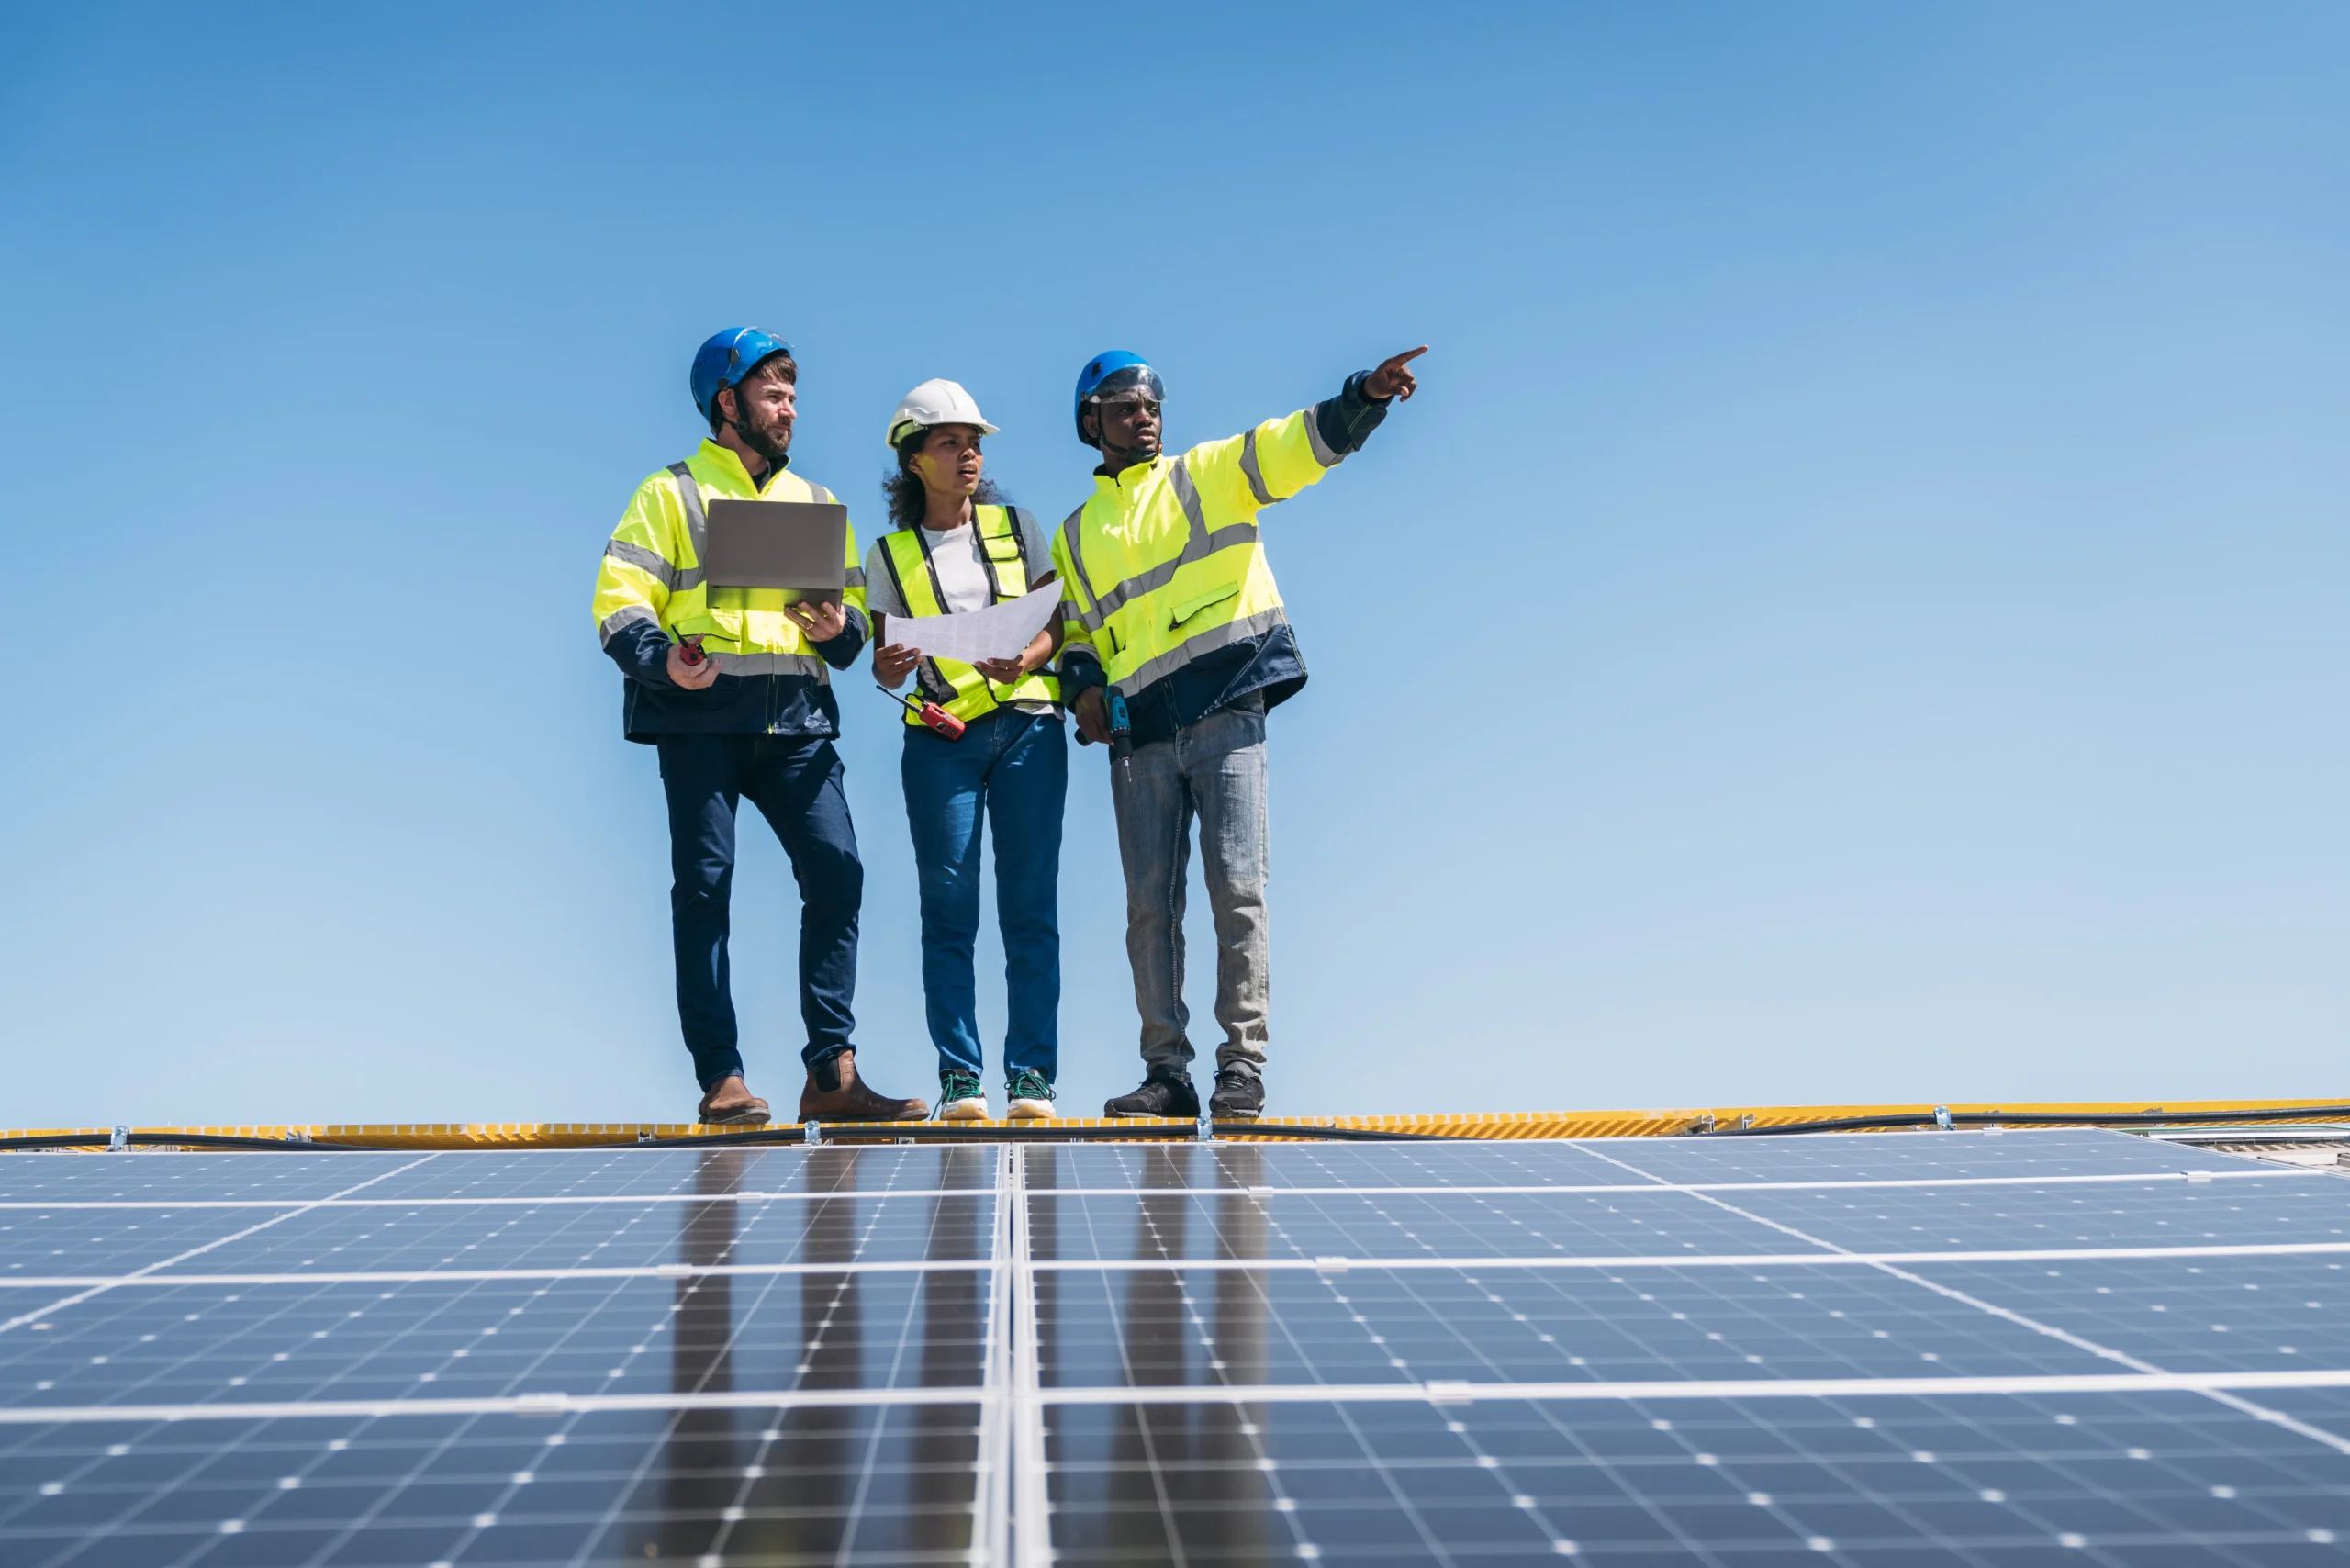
x: 960, y: 1098
x: 1032, y: 1096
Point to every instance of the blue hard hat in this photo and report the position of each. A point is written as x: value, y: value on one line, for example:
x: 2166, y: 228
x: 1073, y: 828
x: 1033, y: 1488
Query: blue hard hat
x: 726, y: 359
x: 1114, y: 371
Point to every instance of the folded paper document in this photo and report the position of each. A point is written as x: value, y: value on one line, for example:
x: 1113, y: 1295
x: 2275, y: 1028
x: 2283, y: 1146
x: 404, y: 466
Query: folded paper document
x: 999, y: 632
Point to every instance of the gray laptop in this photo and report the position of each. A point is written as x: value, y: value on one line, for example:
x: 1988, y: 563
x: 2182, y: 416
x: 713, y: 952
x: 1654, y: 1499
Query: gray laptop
x: 800, y: 547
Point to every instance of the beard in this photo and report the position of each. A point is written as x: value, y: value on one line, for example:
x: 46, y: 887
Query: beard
x: 1121, y: 458
x: 771, y: 442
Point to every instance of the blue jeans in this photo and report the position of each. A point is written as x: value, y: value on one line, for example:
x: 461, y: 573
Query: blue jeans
x: 1213, y: 769
x: 1015, y: 768
x: 796, y: 784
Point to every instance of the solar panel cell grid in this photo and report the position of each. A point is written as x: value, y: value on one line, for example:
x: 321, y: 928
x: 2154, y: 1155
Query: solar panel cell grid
x: 193, y: 1345
x: 882, y: 1484
x: 1154, y: 1225
x: 1909, y: 1348
x: 2162, y: 1479
x: 790, y: 1228
x: 1931, y: 1219
x: 1374, y: 1326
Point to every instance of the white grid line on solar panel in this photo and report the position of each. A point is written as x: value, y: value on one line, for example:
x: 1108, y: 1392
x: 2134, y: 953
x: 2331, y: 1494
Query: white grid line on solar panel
x: 2167, y: 1178
x: 2130, y: 1178
x: 2315, y: 1434
x: 550, y: 1201
x: 1441, y: 1394
x: 1323, y: 1262
x: 991, y: 1531
x: 1030, y: 1520
x: 1713, y: 1484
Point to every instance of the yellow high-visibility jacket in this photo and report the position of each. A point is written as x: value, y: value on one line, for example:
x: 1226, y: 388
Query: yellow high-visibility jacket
x: 650, y: 594
x: 957, y: 688
x: 1162, y: 568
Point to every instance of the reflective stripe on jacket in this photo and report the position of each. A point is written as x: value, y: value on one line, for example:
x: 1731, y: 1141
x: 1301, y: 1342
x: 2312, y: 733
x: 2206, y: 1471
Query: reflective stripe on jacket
x: 650, y: 593
x: 957, y: 688
x: 1162, y: 566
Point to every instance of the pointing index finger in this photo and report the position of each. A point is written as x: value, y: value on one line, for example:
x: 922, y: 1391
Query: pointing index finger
x: 1409, y: 356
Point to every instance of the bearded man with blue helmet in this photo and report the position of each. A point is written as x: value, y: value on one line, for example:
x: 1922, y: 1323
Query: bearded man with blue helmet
x: 733, y: 686
x: 1174, y: 648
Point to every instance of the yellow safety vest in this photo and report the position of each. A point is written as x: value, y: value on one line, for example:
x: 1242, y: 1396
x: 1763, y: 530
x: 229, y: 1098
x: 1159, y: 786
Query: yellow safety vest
x: 652, y: 569
x: 1162, y: 565
x: 957, y: 688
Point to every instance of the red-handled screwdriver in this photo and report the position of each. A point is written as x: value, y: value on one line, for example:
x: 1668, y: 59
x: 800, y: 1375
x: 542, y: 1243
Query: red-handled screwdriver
x: 935, y: 718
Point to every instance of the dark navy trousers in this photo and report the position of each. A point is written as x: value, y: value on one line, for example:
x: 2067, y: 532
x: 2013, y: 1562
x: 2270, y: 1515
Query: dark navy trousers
x: 796, y: 784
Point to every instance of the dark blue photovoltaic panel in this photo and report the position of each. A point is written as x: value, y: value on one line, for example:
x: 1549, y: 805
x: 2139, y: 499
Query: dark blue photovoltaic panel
x: 1912, y: 1156
x: 796, y: 1354
x: 2289, y: 1206
x: 1345, y: 1167
x: 2147, y: 1479
x: 739, y: 1486
x: 44, y: 1242
x: 1154, y: 1328
x: 1274, y: 1224
x: 214, y: 1344
x: 658, y: 1172
x: 147, y: 1177
x: 1628, y: 1162
x: 616, y: 1234
x: 2187, y: 1314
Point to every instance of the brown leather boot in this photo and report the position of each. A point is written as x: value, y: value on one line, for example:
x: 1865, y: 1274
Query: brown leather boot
x: 835, y: 1093
x: 729, y: 1103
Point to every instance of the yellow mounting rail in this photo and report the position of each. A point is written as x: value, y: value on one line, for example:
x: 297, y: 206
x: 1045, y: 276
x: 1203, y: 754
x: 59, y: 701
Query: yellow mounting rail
x: 1666, y: 1122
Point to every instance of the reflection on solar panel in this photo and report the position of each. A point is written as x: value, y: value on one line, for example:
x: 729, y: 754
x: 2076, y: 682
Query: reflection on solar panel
x: 1910, y: 1348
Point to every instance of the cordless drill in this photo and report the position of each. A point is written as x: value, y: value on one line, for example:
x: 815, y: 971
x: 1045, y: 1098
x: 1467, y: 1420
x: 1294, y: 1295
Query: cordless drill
x: 1122, y: 729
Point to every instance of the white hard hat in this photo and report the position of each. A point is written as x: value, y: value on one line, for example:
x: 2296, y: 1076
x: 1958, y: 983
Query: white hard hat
x: 935, y: 403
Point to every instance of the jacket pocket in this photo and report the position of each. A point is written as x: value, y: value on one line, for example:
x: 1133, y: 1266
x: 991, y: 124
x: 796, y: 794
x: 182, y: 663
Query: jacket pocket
x: 725, y: 625
x: 1187, y: 607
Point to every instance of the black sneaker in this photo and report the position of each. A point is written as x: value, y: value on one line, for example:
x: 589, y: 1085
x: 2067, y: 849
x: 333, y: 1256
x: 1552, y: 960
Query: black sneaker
x: 1161, y: 1095
x: 1239, y: 1093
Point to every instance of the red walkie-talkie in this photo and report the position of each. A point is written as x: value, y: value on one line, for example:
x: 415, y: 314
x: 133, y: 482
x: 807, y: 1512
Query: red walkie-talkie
x: 936, y: 719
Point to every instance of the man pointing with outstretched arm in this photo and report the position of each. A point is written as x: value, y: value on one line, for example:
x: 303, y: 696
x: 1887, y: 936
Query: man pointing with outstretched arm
x: 1170, y: 618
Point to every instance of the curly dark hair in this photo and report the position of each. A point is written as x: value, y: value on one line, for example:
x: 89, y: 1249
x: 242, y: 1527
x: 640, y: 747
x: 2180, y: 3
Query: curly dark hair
x: 909, y: 502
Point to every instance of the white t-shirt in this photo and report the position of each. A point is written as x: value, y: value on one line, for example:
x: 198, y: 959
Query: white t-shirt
x: 962, y: 578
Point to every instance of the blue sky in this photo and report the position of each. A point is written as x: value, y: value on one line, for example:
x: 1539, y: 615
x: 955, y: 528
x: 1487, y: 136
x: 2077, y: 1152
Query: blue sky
x: 1855, y: 614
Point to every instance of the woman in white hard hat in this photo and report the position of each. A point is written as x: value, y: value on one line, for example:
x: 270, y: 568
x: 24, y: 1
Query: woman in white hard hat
x: 957, y: 547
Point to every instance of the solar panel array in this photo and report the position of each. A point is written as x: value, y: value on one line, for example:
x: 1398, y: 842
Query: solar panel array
x: 1911, y: 1347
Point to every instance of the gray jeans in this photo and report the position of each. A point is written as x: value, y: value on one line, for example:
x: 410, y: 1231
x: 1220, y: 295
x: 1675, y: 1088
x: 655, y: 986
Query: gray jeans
x: 1213, y: 769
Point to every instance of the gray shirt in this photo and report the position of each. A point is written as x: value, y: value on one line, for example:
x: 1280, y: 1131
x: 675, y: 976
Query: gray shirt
x: 962, y: 578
